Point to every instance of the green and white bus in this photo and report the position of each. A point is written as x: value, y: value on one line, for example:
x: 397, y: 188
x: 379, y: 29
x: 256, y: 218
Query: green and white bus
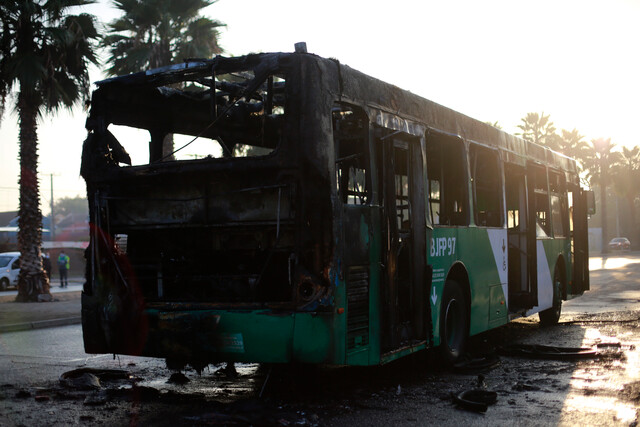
x: 329, y: 218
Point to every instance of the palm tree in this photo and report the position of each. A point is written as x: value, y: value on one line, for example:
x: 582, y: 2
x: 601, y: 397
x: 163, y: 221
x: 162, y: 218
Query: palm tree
x: 572, y: 144
x: 599, y: 158
x: 626, y: 176
x: 539, y: 129
x: 154, y: 33
x: 45, y: 52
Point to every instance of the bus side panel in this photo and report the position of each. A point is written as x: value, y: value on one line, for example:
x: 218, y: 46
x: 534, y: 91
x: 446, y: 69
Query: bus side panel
x: 548, y: 252
x: 474, y: 249
x: 483, y: 251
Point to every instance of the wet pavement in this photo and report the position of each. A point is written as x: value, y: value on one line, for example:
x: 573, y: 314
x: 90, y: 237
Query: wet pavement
x: 601, y: 390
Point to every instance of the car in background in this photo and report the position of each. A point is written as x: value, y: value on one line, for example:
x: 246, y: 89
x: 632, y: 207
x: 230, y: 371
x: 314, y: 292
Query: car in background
x: 620, y: 243
x: 9, y: 269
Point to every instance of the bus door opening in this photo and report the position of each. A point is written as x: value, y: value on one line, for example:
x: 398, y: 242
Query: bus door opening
x: 521, y: 237
x: 403, y: 297
x: 358, y: 217
x: 579, y: 230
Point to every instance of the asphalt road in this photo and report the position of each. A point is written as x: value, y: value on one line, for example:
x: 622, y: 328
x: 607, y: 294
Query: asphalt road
x: 415, y: 391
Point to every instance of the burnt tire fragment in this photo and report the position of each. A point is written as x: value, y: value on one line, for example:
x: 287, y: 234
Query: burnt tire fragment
x: 476, y: 400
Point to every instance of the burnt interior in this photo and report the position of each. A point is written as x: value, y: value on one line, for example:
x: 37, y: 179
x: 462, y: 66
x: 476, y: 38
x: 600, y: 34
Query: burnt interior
x: 213, y: 229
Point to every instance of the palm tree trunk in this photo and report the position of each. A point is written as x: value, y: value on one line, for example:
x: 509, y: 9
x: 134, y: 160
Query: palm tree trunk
x: 32, y: 280
x: 603, y: 211
x: 631, y: 199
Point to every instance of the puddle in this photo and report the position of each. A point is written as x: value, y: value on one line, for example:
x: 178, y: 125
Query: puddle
x: 596, y: 389
x: 212, y: 383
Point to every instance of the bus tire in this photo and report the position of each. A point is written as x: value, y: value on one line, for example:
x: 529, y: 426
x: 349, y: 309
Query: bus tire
x: 454, y: 323
x: 551, y: 316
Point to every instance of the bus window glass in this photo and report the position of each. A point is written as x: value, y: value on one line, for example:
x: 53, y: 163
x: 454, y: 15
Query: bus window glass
x: 447, y: 180
x: 559, y: 205
x: 541, y: 201
x: 487, y: 186
x: 434, y: 200
x: 515, y: 194
x: 402, y: 188
x: 350, y: 137
x: 556, y: 216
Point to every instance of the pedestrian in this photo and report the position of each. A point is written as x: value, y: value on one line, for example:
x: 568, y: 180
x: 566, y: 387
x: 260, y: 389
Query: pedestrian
x: 63, y: 266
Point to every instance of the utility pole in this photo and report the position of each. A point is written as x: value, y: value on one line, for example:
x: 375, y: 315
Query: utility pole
x: 51, y: 222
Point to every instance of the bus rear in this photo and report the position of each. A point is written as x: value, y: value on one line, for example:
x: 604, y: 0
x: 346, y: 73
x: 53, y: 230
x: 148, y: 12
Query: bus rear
x: 215, y: 254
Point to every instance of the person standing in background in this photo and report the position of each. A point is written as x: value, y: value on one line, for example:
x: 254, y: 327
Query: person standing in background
x: 63, y: 265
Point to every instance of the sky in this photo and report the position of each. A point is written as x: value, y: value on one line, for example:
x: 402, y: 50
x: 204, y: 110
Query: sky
x: 493, y: 60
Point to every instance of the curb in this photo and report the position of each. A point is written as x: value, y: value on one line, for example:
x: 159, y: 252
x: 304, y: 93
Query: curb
x: 15, y: 327
x: 69, y: 294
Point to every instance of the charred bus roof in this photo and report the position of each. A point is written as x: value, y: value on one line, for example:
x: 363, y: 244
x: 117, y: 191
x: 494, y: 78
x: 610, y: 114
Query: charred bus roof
x: 161, y: 103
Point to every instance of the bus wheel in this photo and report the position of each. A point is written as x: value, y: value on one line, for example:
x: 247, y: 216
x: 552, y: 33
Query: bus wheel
x: 453, y: 322
x: 550, y: 316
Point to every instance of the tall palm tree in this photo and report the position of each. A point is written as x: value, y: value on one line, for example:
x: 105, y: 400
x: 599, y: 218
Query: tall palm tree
x: 154, y: 33
x: 572, y: 144
x: 626, y: 176
x: 538, y: 128
x: 599, y: 158
x: 44, y: 51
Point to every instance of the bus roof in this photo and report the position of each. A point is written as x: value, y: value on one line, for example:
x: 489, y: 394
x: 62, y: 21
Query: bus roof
x: 381, y: 99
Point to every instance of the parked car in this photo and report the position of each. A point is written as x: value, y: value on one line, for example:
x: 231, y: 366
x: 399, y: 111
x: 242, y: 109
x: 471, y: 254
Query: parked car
x: 620, y: 243
x: 9, y: 269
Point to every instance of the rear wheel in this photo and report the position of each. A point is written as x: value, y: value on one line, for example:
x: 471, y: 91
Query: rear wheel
x: 454, y: 321
x: 551, y: 316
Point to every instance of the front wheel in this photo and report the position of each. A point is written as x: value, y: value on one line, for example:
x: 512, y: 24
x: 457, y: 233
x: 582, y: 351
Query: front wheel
x: 4, y: 284
x: 551, y: 316
x: 454, y: 322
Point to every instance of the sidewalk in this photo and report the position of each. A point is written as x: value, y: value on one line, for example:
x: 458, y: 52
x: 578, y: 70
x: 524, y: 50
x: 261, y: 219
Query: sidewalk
x: 63, y: 310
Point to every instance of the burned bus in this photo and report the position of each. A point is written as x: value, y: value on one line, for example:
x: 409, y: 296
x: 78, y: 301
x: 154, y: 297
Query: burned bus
x: 335, y: 219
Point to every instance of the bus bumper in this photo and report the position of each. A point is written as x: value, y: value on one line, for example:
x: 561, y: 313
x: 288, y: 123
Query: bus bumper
x: 211, y: 336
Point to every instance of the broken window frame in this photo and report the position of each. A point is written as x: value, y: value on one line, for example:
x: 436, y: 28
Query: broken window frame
x: 486, y: 180
x: 352, y: 154
x: 150, y: 101
x: 449, y: 169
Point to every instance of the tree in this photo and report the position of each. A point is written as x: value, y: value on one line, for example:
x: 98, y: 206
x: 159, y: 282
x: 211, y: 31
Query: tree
x: 572, y: 144
x: 625, y: 177
x: 45, y: 51
x: 598, y: 159
x: 72, y: 205
x: 539, y: 129
x: 494, y: 124
x: 155, y: 33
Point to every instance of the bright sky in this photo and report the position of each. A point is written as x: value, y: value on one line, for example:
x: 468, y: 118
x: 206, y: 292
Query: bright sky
x: 493, y: 60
